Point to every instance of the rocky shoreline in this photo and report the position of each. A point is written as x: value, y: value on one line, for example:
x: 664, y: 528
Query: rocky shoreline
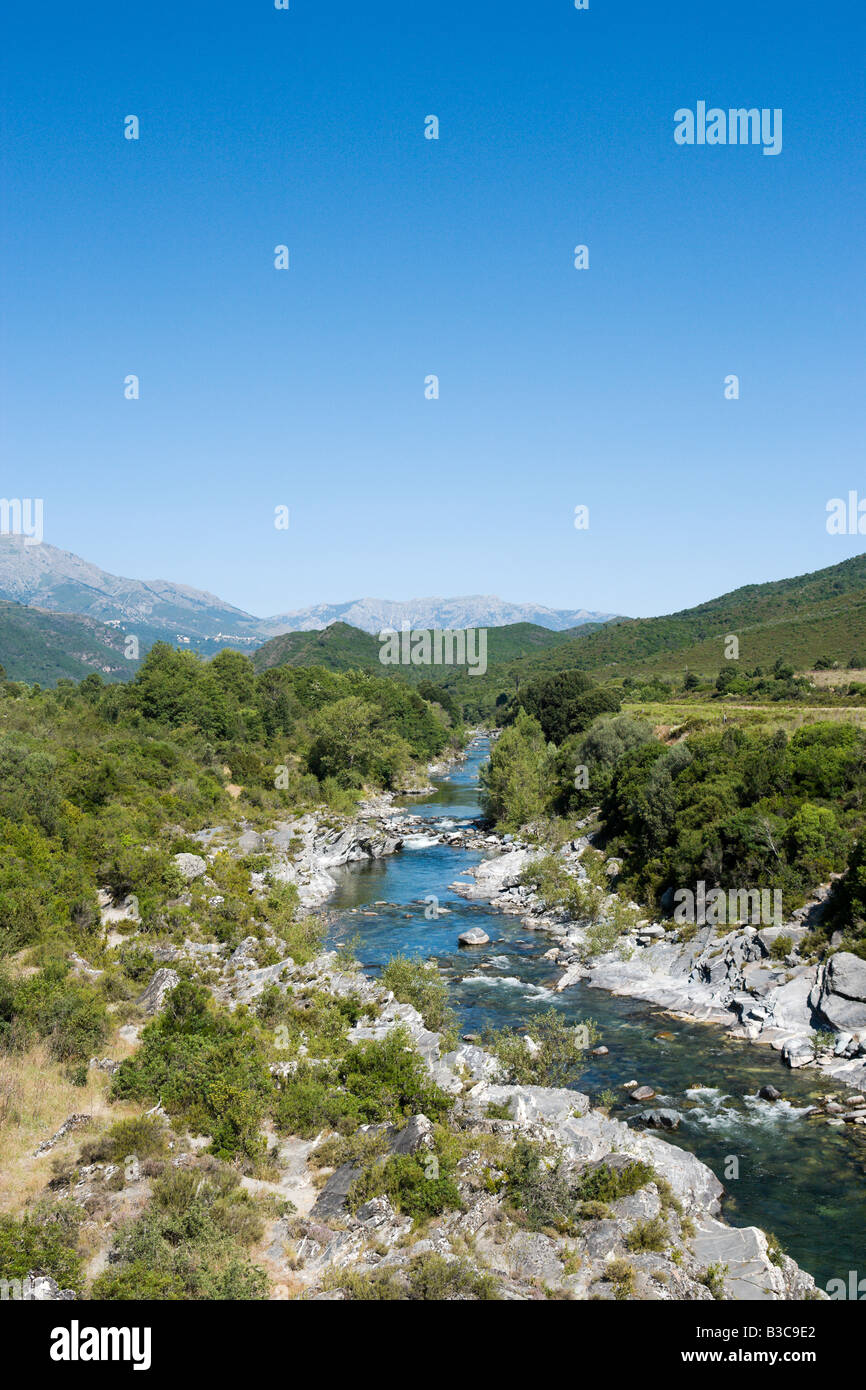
x: 731, y: 978
x: 699, y: 1257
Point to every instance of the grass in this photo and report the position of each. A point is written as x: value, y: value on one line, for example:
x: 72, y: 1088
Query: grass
x: 35, y: 1099
x: 696, y: 716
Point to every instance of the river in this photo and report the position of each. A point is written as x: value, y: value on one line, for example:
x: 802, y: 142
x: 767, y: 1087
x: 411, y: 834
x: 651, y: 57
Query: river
x: 801, y: 1179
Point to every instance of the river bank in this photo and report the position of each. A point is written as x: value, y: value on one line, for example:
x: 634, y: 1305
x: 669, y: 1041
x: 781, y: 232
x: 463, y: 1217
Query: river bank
x: 797, y: 1174
x: 731, y: 978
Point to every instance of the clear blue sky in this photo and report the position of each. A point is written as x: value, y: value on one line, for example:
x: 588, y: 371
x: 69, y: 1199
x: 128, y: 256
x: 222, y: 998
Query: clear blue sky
x: 410, y: 257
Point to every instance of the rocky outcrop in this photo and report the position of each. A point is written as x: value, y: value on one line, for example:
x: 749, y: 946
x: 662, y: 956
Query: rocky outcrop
x: 839, y: 993
x: 73, y: 1122
x: 41, y: 1288
x: 734, y: 978
x: 152, y: 999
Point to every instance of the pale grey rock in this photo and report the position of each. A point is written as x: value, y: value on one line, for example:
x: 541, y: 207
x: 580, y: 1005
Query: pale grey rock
x: 152, y: 999
x: 662, y: 1118
x: 69, y: 1124
x: 41, y: 1288
x: 473, y: 937
x: 190, y: 866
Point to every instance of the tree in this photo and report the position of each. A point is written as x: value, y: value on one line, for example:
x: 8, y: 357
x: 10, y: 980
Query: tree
x: 566, y: 703
x: 517, y: 779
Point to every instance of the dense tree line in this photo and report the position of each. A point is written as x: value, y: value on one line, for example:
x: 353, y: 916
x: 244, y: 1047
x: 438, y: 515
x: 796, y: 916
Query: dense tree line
x: 735, y: 808
x: 101, y: 784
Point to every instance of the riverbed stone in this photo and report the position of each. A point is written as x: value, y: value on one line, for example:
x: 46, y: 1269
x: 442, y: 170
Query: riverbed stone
x: 473, y: 937
x: 662, y: 1118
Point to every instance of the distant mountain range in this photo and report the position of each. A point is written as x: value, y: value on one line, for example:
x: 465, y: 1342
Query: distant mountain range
x: 42, y: 576
x: 801, y: 620
x: 472, y: 610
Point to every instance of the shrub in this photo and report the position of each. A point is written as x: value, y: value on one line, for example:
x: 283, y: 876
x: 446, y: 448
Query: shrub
x: 45, y: 1239
x: 420, y: 984
x: 143, y: 1135
x: 189, y: 1243
x: 558, y: 1052
x: 538, y: 1189
x: 412, y: 1184
x: 205, y: 1066
x: 651, y: 1234
x: 605, y: 1184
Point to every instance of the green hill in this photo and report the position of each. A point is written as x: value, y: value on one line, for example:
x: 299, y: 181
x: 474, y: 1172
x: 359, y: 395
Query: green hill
x: 816, y: 615
x: 339, y: 647
x: 342, y: 648
x: 43, y: 647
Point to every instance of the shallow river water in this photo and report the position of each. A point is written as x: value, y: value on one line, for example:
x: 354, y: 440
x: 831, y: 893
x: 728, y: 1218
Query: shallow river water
x: 801, y: 1179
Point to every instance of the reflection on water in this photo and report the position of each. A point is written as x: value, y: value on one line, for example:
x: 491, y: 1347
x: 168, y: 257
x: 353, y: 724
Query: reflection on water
x: 801, y: 1179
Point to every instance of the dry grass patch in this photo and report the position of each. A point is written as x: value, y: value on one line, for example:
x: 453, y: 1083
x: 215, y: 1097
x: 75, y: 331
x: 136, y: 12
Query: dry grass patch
x: 35, y: 1099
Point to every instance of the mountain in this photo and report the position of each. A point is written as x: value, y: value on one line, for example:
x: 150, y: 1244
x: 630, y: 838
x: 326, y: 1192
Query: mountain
x: 44, y: 647
x: 821, y: 614
x: 814, y: 615
x: 473, y: 610
x: 340, y: 647
x: 42, y: 576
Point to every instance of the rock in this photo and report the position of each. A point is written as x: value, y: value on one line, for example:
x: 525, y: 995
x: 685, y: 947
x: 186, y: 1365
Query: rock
x: 769, y: 1093
x: 41, y: 1288
x: 473, y: 937
x: 600, y: 1051
x: 333, y: 1196
x: 104, y: 1064
x: 798, y: 1052
x: 660, y: 1119
x: 493, y: 876
x: 73, y: 1122
x: 841, y: 995
x: 417, y: 1134
x: 153, y: 998
x: 643, y: 1093
x: 81, y: 967
x: 190, y: 866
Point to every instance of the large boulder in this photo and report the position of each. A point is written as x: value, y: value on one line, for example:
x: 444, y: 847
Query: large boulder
x: 663, y: 1118
x: 841, y: 995
x: 190, y: 866
x: 473, y: 937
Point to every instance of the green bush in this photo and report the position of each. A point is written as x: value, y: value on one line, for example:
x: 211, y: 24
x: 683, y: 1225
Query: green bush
x: 539, y: 1191
x: 207, y: 1067
x: 45, y: 1240
x: 558, y: 1054
x: 606, y: 1184
x: 420, y: 984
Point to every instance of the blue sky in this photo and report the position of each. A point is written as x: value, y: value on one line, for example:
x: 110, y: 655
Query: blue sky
x: 410, y: 257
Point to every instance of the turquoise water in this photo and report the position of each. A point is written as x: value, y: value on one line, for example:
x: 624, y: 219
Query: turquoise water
x: 799, y: 1178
